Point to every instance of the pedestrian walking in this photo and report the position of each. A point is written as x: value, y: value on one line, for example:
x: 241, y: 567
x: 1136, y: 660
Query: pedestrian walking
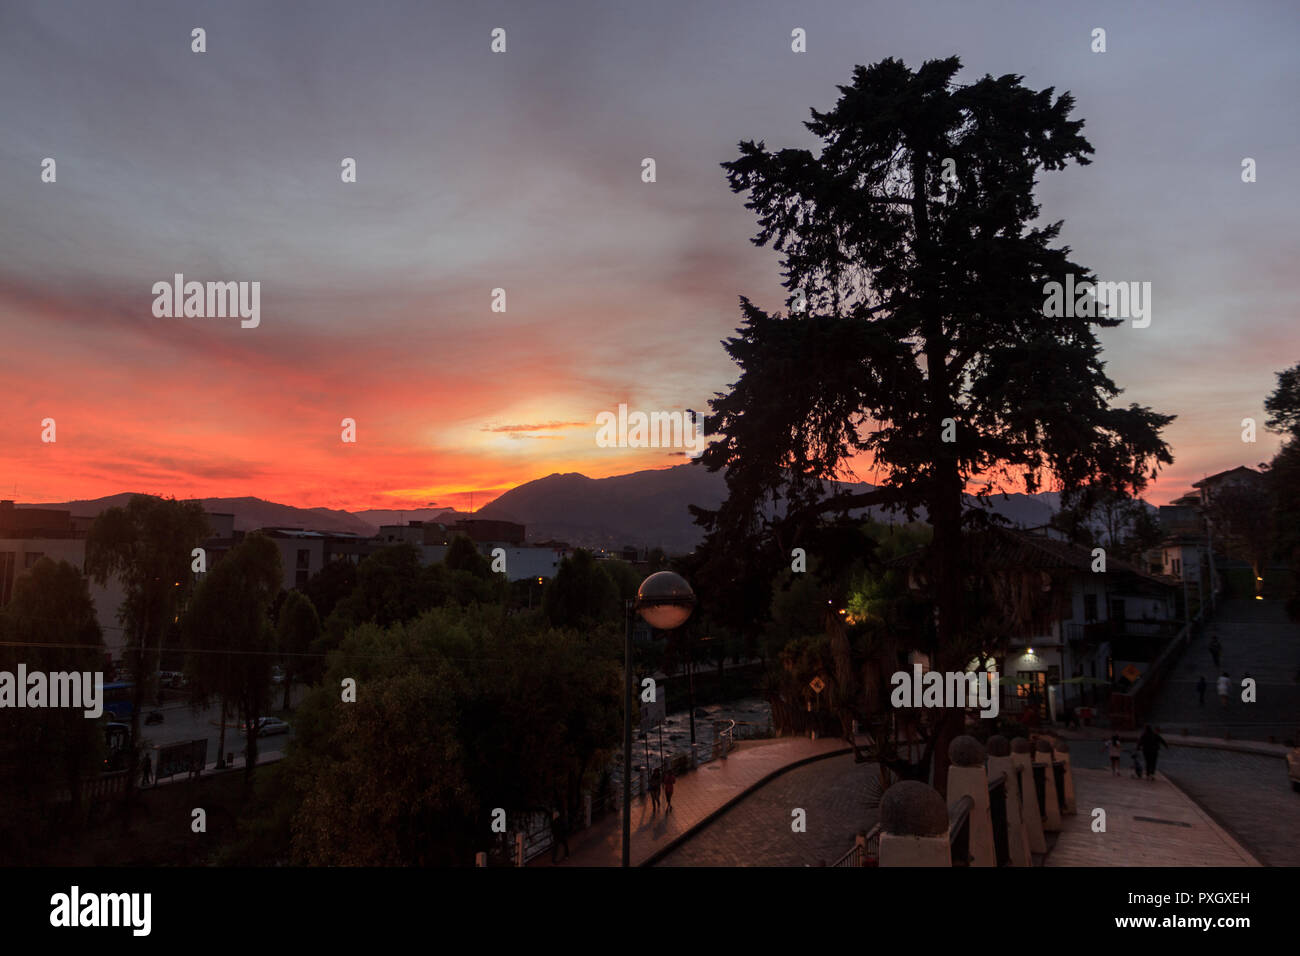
x: 670, y: 781
x: 1114, y: 749
x: 1200, y: 690
x: 146, y: 771
x: 656, y: 778
x: 1150, y: 743
x: 1137, y: 764
x: 1214, y: 649
x: 559, y: 835
x: 1224, y: 688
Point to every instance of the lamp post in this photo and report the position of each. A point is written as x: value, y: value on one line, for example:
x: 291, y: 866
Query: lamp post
x: 664, y: 600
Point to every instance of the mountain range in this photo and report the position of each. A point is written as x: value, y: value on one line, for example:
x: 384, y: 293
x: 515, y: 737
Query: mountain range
x: 641, y: 509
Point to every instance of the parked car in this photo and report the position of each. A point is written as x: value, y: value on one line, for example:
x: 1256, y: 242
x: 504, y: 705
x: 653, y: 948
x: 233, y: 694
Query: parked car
x: 267, y: 726
x: 1293, y: 768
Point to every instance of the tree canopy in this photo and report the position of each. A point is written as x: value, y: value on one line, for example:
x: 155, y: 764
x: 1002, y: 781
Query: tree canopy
x: 917, y: 342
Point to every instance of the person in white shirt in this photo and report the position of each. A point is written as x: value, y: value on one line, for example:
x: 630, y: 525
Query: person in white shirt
x: 1114, y: 750
x: 1225, y: 688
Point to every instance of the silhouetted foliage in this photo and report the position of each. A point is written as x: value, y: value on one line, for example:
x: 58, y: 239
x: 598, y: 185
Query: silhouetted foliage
x: 921, y: 343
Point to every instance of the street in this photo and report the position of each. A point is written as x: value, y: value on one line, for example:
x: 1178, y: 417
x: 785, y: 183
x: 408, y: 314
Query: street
x: 181, y: 724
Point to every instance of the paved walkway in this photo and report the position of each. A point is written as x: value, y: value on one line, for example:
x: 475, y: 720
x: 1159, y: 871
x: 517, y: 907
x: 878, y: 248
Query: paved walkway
x: 1258, y: 639
x: 1147, y: 824
x: 698, y: 796
x: 833, y: 793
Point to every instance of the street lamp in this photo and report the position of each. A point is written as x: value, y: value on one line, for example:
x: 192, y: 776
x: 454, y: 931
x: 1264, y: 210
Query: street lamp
x: 664, y: 600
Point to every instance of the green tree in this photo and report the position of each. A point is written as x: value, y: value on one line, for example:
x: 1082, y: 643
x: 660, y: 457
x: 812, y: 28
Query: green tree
x: 581, y: 594
x: 1283, y: 478
x: 918, y: 338
x: 231, y: 638
x: 330, y: 585
x: 147, y: 546
x: 1283, y: 405
x: 463, y: 555
x: 296, y: 631
x: 50, y: 626
x: 457, y: 712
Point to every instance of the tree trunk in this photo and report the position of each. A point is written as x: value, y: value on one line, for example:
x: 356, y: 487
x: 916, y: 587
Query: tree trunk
x: 133, y: 757
x: 945, y: 496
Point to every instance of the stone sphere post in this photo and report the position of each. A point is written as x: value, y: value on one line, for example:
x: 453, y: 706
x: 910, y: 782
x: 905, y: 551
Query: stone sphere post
x: 913, y: 826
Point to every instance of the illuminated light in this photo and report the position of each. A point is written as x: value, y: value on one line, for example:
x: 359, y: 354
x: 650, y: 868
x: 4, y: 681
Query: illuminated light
x: 1029, y: 652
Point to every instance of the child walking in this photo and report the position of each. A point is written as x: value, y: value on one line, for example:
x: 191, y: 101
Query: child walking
x: 1114, y: 749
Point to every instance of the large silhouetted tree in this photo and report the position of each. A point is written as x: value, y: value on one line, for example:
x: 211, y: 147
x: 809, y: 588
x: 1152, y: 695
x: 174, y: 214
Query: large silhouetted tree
x: 916, y: 341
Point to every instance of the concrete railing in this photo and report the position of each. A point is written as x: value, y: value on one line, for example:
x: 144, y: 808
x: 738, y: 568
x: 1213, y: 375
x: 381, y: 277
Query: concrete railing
x: 1001, y: 803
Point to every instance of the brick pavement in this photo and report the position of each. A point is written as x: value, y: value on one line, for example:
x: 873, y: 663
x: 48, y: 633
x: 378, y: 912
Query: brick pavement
x: 698, y: 795
x: 1147, y: 824
x: 757, y: 831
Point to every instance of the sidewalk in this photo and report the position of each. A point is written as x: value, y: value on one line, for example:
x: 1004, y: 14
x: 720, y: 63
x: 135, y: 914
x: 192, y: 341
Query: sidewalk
x: 263, y: 757
x: 1147, y: 824
x: 1175, y: 739
x: 698, y: 797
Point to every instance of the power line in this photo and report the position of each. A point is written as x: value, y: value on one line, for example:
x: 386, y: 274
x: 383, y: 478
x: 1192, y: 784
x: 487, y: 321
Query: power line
x: 258, y: 653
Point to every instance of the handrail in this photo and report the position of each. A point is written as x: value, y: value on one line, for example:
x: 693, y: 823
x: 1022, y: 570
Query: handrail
x: 857, y: 855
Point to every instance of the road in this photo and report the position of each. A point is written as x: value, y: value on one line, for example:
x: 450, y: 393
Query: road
x: 182, y: 724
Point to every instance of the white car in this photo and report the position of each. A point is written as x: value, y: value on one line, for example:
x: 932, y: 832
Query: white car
x: 267, y: 726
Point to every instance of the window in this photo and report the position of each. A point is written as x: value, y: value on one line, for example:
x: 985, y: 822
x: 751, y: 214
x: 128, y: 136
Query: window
x: 32, y: 557
x: 1178, y: 567
x: 304, y: 559
x: 1090, y: 607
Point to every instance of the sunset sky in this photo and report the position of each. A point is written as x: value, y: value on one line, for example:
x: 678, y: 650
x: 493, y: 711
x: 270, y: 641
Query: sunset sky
x: 522, y: 171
